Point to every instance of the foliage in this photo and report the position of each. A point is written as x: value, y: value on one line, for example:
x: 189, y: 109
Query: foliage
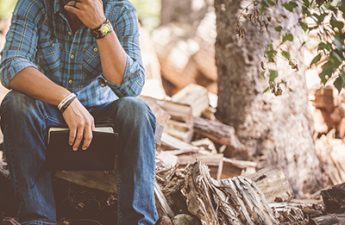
x: 324, y: 19
x: 6, y: 8
x: 148, y: 12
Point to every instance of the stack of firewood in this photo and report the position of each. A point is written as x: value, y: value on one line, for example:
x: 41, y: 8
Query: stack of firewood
x: 328, y: 111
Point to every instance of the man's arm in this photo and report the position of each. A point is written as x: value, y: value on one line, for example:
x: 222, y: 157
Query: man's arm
x: 119, y: 52
x: 18, y: 71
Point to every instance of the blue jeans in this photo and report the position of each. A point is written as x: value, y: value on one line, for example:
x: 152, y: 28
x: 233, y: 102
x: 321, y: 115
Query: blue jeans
x: 24, y: 122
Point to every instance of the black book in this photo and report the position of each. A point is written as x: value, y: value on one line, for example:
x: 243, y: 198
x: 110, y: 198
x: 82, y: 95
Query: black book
x: 99, y: 156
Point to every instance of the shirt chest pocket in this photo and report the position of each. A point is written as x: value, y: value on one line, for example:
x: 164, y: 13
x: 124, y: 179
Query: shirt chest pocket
x: 49, y: 56
x: 91, y: 62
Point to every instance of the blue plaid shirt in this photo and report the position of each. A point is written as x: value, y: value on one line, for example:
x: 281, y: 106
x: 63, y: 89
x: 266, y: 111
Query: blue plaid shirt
x: 40, y: 37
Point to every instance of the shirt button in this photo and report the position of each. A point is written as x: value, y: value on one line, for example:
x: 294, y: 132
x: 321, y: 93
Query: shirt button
x: 102, y: 82
x: 95, y: 49
x: 72, y: 56
x: 70, y: 81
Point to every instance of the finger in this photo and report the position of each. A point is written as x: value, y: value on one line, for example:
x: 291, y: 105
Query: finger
x: 72, y: 9
x: 79, y: 138
x: 87, y: 137
x: 92, y: 123
x: 72, y: 135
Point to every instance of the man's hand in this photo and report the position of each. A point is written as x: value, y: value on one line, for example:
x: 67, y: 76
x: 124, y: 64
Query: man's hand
x: 89, y: 12
x: 80, y: 123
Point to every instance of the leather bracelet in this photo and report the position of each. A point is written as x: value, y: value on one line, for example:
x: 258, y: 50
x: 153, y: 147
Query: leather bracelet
x: 68, y: 97
x: 65, y: 106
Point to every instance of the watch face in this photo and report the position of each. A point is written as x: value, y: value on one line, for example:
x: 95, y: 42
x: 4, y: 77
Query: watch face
x: 105, y: 29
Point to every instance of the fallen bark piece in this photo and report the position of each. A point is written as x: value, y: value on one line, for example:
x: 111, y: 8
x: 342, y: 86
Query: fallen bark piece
x: 273, y: 183
x: 332, y: 219
x: 234, y: 201
x: 288, y: 214
x: 334, y: 199
x: 219, y: 133
x: 162, y: 203
x: 297, y: 211
x: 184, y: 219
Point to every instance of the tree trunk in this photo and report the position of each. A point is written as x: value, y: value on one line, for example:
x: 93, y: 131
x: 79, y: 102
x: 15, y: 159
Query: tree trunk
x: 275, y: 130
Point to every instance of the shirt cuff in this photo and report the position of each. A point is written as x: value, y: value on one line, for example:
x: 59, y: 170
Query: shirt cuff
x: 122, y: 89
x: 11, y: 68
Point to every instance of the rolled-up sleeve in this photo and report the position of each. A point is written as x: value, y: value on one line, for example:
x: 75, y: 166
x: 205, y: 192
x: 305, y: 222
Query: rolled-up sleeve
x: 21, y: 41
x: 127, y: 30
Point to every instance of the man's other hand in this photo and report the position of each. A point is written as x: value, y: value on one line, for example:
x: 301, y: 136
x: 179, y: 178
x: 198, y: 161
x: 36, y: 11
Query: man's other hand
x: 89, y: 12
x: 81, y: 124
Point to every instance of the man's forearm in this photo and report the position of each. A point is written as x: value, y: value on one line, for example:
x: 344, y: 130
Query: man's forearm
x: 32, y: 82
x: 113, y: 58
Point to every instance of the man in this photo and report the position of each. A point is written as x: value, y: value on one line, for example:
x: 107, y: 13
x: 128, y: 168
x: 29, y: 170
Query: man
x: 75, y: 63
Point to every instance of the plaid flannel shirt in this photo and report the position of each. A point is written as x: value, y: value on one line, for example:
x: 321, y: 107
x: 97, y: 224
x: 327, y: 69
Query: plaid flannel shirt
x: 40, y: 37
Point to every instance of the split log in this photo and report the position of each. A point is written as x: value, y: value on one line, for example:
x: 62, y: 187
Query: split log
x: 324, y: 99
x: 213, y: 161
x: 273, y: 183
x: 169, y: 142
x: 334, y: 199
x: 221, y: 134
x: 234, y: 167
x: 235, y: 201
x: 194, y: 95
x: 332, y: 219
x: 180, y: 121
x: 330, y: 152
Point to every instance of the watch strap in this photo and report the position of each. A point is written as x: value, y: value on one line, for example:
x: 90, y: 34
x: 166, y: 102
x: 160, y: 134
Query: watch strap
x: 104, y: 29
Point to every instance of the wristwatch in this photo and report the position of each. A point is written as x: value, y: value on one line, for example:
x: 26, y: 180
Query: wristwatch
x: 102, y: 30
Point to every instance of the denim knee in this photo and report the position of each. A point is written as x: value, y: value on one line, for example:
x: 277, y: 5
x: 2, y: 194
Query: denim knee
x: 18, y: 105
x: 136, y: 111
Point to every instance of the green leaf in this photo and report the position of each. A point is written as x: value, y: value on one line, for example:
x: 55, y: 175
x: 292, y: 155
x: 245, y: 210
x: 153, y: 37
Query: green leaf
x: 286, y: 55
x: 278, y: 28
x: 316, y: 59
x: 290, y: 6
x: 273, y: 75
x: 336, y: 23
x: 306, y: 3
x: 339, y: 83
x: 270, y: 53
x: 324, y: 46
x: 304, y: 26
x: 320, y: 17
x: 288, y: 37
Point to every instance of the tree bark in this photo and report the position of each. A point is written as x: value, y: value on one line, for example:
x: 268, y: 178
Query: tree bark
x: 275, y: 130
